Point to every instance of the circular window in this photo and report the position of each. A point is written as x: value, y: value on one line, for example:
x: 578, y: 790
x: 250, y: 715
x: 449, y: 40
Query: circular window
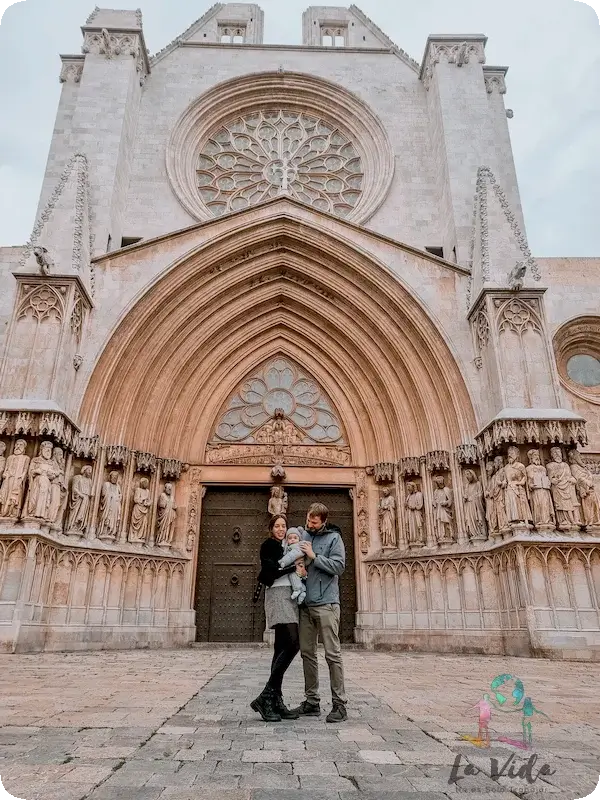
x: 272, y: 135
x: 278, y: 152
x: 584, y: 369
x: 577, y: 348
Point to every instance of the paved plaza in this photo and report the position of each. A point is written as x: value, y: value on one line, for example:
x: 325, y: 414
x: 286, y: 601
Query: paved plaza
x: 176, y: 725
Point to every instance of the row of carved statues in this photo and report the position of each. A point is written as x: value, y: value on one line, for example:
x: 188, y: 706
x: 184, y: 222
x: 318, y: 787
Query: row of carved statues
x: 558, y: 495
x: 35, y: 490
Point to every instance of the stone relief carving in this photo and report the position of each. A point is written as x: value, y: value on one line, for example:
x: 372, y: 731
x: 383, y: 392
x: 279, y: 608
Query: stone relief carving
x: 563, y: 491
x: 117, y: 455
x: 288, y: 153
x: 518, y: 316
x: 387, y: 519
x: 110, y: 508
x: 196, y: 493
x: 415, y: 525
x: 460, y: 53
x: 538, y: 486
x: 43, y: 470
x: 467, y: 454
x: 495, y: 83
x: 145, y: 462
x: 78, y: 162
x: 2, y: 461
x: 77, y: 361
x: 481, y: 326
x: 279, y: 431
x: 77, y: 317
x: 442, y: 505
x: 474, y: 511
x: 410, y: 466
x: 13, y: 483
x: 58, y: 495
x: 586, y: 490
x: 571, y: 432
x: 166, y: 515
x: 384, y: 472
x: 71, y: 71
x: 278, y: 502
x: 86, y: 446
x: 42, y: 301
x: 359, y: 495
x: 438, y: 461
x: 517, y: 504
x: 138, y: 525
x: 516, y: 276
x: 498, y: 495
x: 172, y: 468
x: 44, y: 262
x: 80, y: 502
x: 485, y: 179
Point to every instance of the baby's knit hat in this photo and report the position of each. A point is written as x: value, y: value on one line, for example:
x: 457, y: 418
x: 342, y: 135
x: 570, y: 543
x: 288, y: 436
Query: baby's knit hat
x: 294, y: 530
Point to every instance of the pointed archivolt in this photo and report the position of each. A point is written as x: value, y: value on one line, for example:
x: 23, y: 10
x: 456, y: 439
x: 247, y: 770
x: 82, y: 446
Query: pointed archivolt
x: 486, y: 180
x: 279, y: 391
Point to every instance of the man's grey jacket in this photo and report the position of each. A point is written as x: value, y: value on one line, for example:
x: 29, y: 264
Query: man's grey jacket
x: 322, y: 584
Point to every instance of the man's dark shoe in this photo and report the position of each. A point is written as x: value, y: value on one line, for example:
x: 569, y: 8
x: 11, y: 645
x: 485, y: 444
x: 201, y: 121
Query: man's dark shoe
x: 337, y: 714
x: 279, y: 707
x: 306, y: 709
x: 264, y: 705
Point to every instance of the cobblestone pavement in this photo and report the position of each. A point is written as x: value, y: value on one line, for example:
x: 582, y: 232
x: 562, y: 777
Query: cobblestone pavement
x: 176, y: 725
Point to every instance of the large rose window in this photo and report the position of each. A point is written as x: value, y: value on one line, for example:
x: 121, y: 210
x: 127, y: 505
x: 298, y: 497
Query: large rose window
x: 271, y: 153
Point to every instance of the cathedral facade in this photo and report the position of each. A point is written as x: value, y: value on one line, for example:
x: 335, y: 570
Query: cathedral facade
x: 264, y: 275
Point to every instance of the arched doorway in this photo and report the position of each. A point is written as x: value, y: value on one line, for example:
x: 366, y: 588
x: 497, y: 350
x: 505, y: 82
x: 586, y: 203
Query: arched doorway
x: 268, y: 289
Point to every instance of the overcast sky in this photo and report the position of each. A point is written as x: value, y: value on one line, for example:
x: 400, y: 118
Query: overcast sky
x: 551, y: 46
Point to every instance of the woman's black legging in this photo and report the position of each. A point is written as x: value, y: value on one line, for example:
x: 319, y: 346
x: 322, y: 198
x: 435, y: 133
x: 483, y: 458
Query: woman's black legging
x: 287, y: 646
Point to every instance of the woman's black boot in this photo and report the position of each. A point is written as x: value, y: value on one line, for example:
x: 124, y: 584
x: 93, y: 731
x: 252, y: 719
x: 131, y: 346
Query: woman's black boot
x: 281, y: 708
x: 265, y: 705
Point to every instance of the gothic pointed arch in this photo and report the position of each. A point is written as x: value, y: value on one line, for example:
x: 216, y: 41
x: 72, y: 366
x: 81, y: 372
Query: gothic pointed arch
x: 270, y: 288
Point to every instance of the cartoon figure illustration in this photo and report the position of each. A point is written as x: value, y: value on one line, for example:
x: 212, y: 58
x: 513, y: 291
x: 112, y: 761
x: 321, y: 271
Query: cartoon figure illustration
x: 499, y: 701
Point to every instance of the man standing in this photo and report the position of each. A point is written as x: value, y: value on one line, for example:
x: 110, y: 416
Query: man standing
x: 323, y: 546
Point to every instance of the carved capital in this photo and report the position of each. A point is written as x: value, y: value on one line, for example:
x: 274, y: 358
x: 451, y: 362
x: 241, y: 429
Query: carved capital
x: 452, y: 51
x: 72, y: 70
x: 145, y: 462
x: 495, y: 82
x: 467, y: 454
x: 409, y: 466
x: 117, y: 455
x: 438, y: 461
x: 172, y: 468
x: 501, y: 432
x: 86, y: 446
x: 384, y: 472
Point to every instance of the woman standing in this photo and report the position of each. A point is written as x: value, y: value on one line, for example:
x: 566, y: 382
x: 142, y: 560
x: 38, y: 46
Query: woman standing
x: 281, y: 614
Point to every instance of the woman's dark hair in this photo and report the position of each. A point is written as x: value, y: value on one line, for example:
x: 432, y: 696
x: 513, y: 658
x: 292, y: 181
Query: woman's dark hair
x: 274, y: 520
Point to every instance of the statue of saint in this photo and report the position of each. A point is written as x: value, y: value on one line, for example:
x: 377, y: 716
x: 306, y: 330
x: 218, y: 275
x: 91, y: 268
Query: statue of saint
x: 110, y: 508
x: 474, y: 510
x: 588, y: 496
x: 13, y: 483
x: 490, y: 506
x: 442, y: 511
x: 499, y: 484
x: 58, y: 494
x: 80, y: 503
x: 563, y: 486
x: 387, y: 519
x: 167, y: 511
x: 517, y: 505
x: 278, y: 502
x: 42, y: 472
x: 138, y: 527
x: 2, y: 460
x: 538, y: 485
x: 414, y: 516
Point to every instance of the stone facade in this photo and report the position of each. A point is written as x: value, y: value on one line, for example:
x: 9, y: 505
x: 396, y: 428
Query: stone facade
x: 258, y: 262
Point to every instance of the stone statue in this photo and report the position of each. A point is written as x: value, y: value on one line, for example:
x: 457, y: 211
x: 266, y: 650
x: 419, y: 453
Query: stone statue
x: 442, y: 511
x: 80, y: 503
x: 167, y: 511
x: 517, y: 504
x: 563, y: 491
x: 58, y: 494
x: 43, y: 470
x: 2, y: 460
x: 538, y: 485
x: 44, y: 261
x: 278, y: 503
x: 517, y: 276
x: 474, y: 510
x: 588, y: 496
x: 138, y: 527
x: 499, y: 484
x: 387, y: 519
x: 414, y: 516
x: 490, y: 508
x: 13, y: 484
x: 110, y: 508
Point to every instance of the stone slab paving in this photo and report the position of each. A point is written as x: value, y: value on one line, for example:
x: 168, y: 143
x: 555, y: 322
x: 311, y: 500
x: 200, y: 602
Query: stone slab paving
x: 176, y: 725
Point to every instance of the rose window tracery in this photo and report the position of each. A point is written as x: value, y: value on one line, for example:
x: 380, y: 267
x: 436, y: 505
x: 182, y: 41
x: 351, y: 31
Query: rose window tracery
x: 271, y: 153
x: 279, y: 389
